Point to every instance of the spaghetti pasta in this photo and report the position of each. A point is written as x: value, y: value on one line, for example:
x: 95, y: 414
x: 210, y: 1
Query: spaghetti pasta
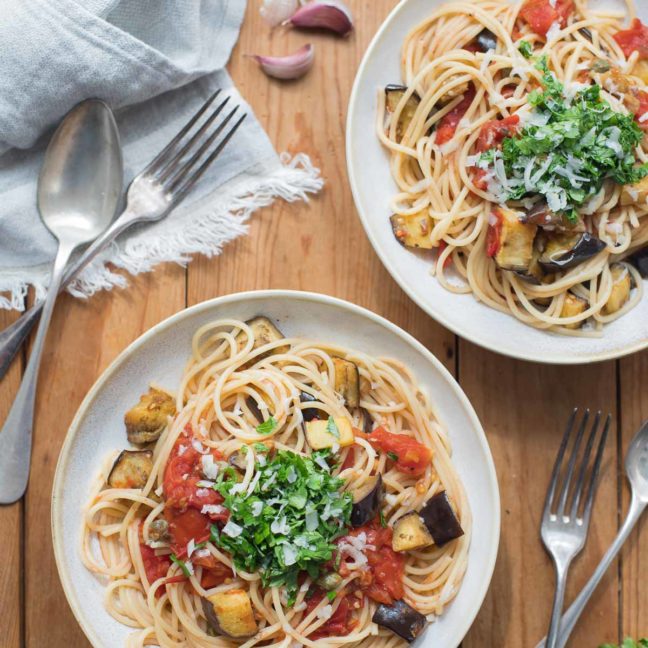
x: 162, y: 524
x: 528, y: 232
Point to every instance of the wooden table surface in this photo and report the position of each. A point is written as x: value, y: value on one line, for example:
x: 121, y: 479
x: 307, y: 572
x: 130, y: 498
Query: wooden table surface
x: 321, y: 246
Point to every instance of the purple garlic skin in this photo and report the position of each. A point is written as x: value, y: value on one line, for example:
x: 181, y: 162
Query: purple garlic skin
x: 333, y: 15
x: 288, y: 67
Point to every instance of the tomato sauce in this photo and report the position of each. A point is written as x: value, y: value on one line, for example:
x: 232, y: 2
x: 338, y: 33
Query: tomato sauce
x: 412, y: 457
x: 495, y: 131
x: 642, y: 98
x: 383, y: 581
x: 540, y: 15
x: 154, y: 566
x: 633, y: 39
x: 447, y: 126
x: 340, y: 623
x: 493, y: 236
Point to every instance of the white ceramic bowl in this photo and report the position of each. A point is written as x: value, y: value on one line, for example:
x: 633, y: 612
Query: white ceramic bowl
x: 161, y: 354
x: 373, y: 187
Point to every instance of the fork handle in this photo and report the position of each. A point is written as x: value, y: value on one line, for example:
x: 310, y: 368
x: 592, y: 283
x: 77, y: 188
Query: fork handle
x: 13, y: 337
x: 562, y: 567
x: 571, y: 616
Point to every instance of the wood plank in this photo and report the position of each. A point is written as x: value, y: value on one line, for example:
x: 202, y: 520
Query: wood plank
x: 84, y: 338
x: 11, y: 523
x: 524, y: 408
x: 633, y: 378
x: 320, y: 246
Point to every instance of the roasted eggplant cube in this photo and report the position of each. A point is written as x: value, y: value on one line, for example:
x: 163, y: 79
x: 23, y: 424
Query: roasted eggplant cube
x: 401, y: 619
x: 640, y: 70
x: 486, y: 40
x: 572, y: 306
x: 319, y: 436
x: 411, y: 533
x: 621, y: 286
x: 366, y: 509
x: 534, y: 273
x: 265, y: 332
x: 515, y: 249
x: 230, y: 613
x: 440, y: 519
x: 635, y: 194
x: 131, y: 469
x: 367, y: 421
x: 347, y: 381
x: 564, y: 251
x: 393, y: 95
x: 146, y: 421
x: 413, y: 230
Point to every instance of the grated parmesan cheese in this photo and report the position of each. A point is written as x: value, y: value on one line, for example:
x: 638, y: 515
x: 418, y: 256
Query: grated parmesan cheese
x: 212, y: 509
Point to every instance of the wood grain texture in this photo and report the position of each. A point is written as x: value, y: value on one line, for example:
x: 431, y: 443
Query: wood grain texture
x: 322, y: 247
x: 524, y: 408
x: 633, y: 378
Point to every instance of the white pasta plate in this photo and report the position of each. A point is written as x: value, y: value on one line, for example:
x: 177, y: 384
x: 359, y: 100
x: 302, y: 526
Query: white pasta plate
x: 160, y: 356
x: 373, y: 188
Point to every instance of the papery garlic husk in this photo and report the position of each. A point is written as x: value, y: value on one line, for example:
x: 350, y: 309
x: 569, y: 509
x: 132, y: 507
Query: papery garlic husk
x: 275, y: 12
x: 292, y: 66
x: 324, y: 14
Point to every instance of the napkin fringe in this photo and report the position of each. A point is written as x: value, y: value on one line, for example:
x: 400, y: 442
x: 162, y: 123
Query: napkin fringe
x: 205, y: 233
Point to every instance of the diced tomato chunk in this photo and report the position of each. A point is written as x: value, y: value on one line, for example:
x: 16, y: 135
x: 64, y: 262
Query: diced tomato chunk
x: 642, y: 112
x: 479, y: 179
x: 214, y: 571
x: 340, y: 623
x: 493, y: 132
x: 493, y: 236
x: 447, y: 126
x: 541, y: 14
x: 185, y: 526
x: 633, y: 39
x: 154, y: 566
x: 383, y: 581
x: 411, y: 456
x: 442, y: 246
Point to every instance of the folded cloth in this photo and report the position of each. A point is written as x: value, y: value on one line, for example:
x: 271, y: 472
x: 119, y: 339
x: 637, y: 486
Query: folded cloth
x: 154, y: 62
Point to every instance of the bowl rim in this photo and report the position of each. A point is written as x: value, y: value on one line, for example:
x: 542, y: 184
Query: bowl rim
x: 391, y: 266
x: 56, y: 513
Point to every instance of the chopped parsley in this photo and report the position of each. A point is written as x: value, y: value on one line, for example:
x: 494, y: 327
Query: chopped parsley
x: 332, y: 428
x: 571, y: 144
x: 287, y: 522
x: 393, y: 456
x: 331, y: 595
x: 526, y: 49
x: 267, y: 426
x: 383, y: 522
x: 183, y: 566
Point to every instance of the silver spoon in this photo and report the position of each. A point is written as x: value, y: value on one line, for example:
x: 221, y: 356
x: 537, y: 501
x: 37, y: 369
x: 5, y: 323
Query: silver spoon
x: 636, y: 467
x: 78, y: 190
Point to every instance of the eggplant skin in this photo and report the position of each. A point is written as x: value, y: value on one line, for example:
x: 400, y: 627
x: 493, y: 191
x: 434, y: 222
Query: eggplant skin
x: 486, y: 40
x: 440, y: 519
x: 265, y: 332
x: 369, y: 506
x: 639, y: 260
x: 393, y: 95
x: 309, y: 413
x: 401, y: 619
x: 131, y: 469
x: 564, y: 251
x: 347, y: 381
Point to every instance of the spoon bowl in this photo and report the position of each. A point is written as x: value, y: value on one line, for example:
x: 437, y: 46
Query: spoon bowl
x: 81, y: 179
x: 636, y: 464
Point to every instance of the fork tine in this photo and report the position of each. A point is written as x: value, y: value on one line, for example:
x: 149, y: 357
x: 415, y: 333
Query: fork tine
x: 176, y: 179
x: 591, y: 490
x: 585, y: 462
x: 180, y: 193
x: 571, y: 465
x: 556, y: 469
x: 171, y: 166
x: 152, y: 167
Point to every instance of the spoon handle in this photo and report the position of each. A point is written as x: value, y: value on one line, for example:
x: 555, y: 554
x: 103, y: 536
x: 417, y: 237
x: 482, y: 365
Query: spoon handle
x: 13, y: 337
x: 16, y: 433
x: 571, y: 616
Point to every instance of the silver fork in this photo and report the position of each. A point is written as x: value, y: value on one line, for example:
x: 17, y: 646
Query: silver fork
x: 564, y: 523
x: 152, y: 194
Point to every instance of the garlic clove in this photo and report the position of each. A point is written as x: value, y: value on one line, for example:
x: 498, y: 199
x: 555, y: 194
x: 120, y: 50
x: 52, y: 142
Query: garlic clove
x: 292, y: 66
x: 324, y: 14
x: 275, y: 12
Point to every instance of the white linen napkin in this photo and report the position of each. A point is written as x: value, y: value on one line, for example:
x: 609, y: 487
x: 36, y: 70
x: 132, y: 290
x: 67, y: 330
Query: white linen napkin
x: 154, y: 62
